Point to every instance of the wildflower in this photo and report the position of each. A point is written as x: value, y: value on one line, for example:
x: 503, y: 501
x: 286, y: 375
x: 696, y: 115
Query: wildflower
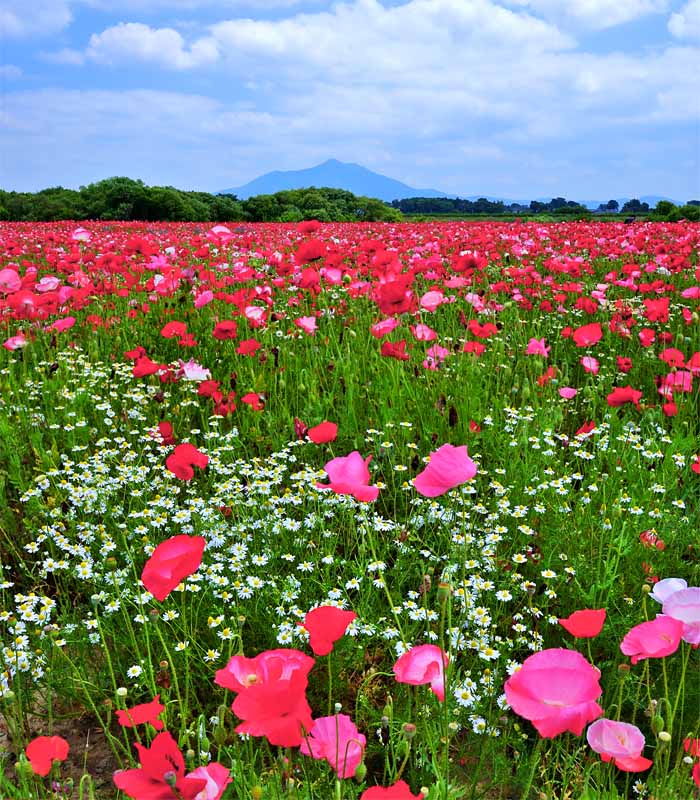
x: 44, y: 750
x: 336, y: 739
x: 556, y: 690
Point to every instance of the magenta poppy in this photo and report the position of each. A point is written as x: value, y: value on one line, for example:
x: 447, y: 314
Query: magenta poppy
x: 556, y: 690
x: 449, y: 466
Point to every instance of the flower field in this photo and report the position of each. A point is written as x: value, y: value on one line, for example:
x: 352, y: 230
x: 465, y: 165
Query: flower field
x: 350, y: 511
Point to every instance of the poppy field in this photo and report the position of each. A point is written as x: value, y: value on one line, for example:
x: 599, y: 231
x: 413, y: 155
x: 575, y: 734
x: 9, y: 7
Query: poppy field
x: 349, y: 511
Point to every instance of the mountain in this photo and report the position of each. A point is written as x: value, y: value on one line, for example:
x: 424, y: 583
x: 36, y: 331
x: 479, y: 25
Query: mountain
x: 336, y: 175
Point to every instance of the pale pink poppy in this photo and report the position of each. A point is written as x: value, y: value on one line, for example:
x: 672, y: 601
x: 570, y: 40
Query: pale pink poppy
x: 307, y: 324
x: 568, y: 392
x: 49, y: 283
x: 658, y: 638
x: 423, y: 333
x: 217, y: 778
x: 431, y: 300
x: 350, y: 475
x: 424, y: 663
x: 684, y: 605
x: 620, y: 742
x: 338, y: 741
x: 537, y: 347
x: 449, y: 466
x: 663, y: 589
x: 81, y: 235
x: 192, y: 371
x: 590, y: 364
x: 10, y: 281
x: 556, y: 690
x: 15, y: 342
x: 384, y: 327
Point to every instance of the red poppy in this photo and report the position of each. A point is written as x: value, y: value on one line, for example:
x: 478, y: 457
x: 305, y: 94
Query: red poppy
x: 183, y: 459
x: 326, y: 624
x: 276, y: 709
x: 248, y: 347
x: 323, y: 433
x: 624, y: 394
x: 171, y: 562
x: 161, y: 775
x: 585, y: 624
x: 254, y: 400
x: 395, y: 350
x: 588, y: 335
x: 44, y: 750
x: 226, y: 329
x: 142, y: 713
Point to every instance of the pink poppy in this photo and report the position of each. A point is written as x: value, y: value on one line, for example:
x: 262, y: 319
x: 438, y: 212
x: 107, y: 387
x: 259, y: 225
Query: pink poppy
x: 398, y: 791
x: 192, y: 371
x: 203, y: 298
x: 448, y: 467
x: 326, y: 624
x: 590, y: 364
x: 431, y: 300
x: 171, y: 562
x: 537, y: 347
x: 307, y: 324
x: 657, y: 638
x: 241, y: 673
x: 350, y: 475
x: 15, y: 342
x: 323, y: 433
x: 384, y: 327
x: 338, y: 741
x: 217, y: 778
x: 619, y: 742
x: 423, y: 333
x: 556, y: 690
x: 585, y: 624
x: 422, y: 664
x: 568, y: 392
x: 684, y: 605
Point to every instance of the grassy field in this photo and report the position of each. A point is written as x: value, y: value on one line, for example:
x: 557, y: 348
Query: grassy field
x: 560, y: 362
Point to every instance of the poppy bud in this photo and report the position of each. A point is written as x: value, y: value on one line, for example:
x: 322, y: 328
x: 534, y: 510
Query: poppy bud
x: 657, y: 724
x: 360, y: 772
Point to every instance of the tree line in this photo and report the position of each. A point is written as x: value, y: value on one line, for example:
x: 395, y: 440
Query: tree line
x: 126, y: 199
x: 558, y: 206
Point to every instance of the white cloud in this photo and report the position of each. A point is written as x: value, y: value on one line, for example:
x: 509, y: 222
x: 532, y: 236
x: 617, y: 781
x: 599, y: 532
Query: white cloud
x: 128, y: 41
x: 594, y: 14
x: 19, y: 19
x: 685, y: 24
x: 10, y: 72
x: 65, y: 56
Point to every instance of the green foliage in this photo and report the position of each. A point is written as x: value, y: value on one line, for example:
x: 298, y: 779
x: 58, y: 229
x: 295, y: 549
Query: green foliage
x: 119, y: 198
x: 126, y: 199
x: 324, y: 204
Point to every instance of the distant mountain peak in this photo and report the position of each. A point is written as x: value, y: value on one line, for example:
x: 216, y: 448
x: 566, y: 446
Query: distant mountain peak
x: 334, y: 174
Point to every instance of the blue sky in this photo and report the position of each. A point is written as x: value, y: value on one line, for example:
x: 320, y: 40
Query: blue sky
x: 517, y: 98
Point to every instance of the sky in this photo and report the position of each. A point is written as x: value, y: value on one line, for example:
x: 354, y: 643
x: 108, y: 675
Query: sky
x: 514, y: 98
